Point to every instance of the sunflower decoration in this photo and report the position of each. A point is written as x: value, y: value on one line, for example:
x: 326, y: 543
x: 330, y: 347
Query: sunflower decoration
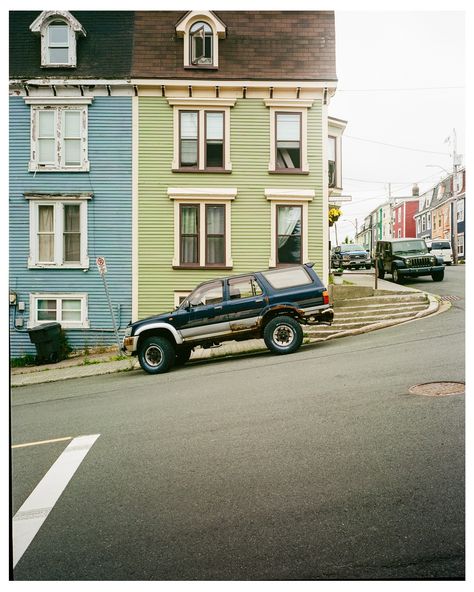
x: 334, y: 214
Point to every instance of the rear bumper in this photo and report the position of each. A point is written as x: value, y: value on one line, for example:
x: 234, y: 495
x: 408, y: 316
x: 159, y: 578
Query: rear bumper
x: 319, y: 315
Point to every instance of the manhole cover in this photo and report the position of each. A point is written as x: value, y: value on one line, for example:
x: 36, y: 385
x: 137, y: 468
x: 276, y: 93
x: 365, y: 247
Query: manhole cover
x: 438, y: 389
x: 450, y: 298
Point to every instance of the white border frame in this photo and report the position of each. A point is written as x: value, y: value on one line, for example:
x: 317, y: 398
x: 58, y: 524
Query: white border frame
x: 82, y: 296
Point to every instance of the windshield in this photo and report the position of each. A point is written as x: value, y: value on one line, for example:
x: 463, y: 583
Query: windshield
x: 440, y: 245
x: 347, y: 248
x: 410, y: 246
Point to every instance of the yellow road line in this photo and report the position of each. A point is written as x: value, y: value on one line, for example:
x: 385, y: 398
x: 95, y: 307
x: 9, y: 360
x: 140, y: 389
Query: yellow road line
x: 42, y: 442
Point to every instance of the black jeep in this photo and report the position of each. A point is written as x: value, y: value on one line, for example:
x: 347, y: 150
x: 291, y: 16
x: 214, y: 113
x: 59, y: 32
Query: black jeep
x: 271, y: 304
x: 407, y: 257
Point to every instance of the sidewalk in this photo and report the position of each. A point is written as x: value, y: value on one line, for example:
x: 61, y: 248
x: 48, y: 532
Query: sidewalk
x: 94, y: 364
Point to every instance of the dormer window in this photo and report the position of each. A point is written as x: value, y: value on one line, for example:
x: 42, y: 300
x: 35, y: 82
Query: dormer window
x: 201, y: 31
x: 58, y: 30
x: 201, y: 44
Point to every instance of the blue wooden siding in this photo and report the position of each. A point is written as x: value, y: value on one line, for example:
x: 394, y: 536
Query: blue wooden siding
x: 109, y: 221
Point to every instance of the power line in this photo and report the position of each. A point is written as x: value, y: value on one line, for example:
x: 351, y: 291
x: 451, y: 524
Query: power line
x: 394, y: 145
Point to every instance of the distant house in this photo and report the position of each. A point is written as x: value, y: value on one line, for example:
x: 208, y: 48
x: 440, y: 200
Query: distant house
x: 404, y: 225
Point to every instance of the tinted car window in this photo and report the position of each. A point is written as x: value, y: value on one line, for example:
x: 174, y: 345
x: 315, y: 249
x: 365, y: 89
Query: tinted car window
x: 244, y: 287
x: 287, y: 278
x: 208, y: 294
x: 440, y: 245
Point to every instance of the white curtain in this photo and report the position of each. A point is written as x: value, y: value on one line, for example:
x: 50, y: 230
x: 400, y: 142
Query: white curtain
x: 72, y: 233
x: 288, y: 221
x: 46, y: 233
x: 215, y: 234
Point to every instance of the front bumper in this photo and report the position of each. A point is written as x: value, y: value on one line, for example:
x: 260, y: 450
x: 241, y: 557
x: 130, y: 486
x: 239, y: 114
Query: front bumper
x: 129, y: 344
x: 417, y: 271
x: 355, y: 263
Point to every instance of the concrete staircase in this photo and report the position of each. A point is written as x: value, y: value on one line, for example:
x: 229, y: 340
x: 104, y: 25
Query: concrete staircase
x: 358, y: 312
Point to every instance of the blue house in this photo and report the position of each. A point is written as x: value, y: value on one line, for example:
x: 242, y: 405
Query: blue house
x: 70, y: 174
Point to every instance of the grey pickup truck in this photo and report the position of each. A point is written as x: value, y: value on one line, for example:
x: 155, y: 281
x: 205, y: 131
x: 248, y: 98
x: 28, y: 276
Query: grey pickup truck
x: 271, y: 304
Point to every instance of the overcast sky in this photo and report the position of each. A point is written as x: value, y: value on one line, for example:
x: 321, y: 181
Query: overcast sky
x: 397, y: 51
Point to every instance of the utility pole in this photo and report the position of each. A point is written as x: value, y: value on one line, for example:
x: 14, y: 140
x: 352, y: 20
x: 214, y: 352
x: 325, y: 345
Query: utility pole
x: 454, y: 209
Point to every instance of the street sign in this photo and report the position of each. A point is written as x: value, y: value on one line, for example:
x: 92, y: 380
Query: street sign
x: 101, y: 265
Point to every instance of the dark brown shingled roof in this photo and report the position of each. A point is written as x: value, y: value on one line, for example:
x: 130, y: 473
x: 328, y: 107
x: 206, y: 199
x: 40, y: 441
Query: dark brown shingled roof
x: 259, y: 45
x: 106, y: 51
x: 277, y: 45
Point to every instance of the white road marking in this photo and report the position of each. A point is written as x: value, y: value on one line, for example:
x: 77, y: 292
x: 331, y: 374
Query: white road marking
x: 42, y: 442
x: 30, y: 517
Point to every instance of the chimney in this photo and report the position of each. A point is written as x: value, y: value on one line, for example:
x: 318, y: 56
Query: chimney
x: 415, y: 191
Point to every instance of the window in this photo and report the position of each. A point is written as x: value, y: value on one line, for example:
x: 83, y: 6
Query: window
x: 58, y: 233
x: 288, y: 136
x: 58, y: 138
x: 428, y: 220
x: 201, y: 31
x: 201, y: 44
x: 58, y: 31
x: 58, y: 43
x: 289, y: 231
x: 202, y: 227
x: 423, y: 223
x: 461, y: 245
x: 460, y: 210
x: 208, y: 294
x: 399, y: 214
x: 399, y: 233
x: 287, y: 278
x: 332, y: 162
x: 244, y: 287
x: 288, y: 140
x: 418, y: 225
x: 202, y: 135
x: 68, y: 309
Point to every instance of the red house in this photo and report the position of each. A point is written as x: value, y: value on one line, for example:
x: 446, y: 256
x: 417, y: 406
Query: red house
x: 403, y: 221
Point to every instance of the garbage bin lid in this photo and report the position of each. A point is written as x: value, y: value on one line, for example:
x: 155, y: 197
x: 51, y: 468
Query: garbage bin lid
x: 44, y: 326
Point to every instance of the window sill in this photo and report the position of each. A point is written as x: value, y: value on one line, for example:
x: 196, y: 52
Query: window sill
x: 33, y: 167
x: 288, y: 172
x: 58, y: 65
x: 195, y: 267
x: 218, y: 171
x: 84, y: 267
x: 201, y: 67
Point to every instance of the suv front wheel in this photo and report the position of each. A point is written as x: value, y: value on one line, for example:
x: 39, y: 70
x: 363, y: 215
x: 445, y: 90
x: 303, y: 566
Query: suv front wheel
x: 438, y: 276
x: 283, y: 335
x: 397, y: 278
x: 156, y: 355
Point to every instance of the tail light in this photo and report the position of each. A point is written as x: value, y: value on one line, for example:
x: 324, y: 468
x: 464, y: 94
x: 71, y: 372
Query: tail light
x: 325, y: 297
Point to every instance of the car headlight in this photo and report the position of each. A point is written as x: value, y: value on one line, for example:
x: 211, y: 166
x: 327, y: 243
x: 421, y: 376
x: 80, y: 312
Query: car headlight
x: 408, y: 261
x: 128, y: 332
x: 433, y: 259
x: 346, y: 257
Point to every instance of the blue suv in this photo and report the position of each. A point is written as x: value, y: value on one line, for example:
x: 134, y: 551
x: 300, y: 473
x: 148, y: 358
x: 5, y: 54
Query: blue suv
x: 272, y: 304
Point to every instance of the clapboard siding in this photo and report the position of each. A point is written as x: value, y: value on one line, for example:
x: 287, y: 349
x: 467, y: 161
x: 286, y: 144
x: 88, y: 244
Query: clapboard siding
x: 109, y: 221
x: 250, y: 154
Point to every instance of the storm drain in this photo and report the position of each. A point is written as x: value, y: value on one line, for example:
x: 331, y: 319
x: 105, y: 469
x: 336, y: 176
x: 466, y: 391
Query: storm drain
x: 438, y: 389
x: 450, y: 298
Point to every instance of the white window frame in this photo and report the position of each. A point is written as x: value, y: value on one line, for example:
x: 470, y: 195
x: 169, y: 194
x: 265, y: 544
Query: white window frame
x: 291, y: 106
x: 41, y: 26
x: 423, y: 223
x: 428, y: 220
x: 39, y: 105
x: 460, y: 210
x: 59, y: 297
x: 461, y: 245
x: 179, y: 296
x: 201, y: 106
x: 418, y: 226
x: 289, y: 197
x: 58, y: 204
x: 203, y: 196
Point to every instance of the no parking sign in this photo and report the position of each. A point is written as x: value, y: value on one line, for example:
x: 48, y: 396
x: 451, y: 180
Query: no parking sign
x: 101, y: 265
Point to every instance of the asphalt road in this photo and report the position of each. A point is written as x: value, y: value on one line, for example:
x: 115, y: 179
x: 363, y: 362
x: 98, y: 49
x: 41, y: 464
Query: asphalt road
x: 317, y: 465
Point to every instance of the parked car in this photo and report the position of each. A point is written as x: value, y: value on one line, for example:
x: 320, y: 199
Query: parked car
x: 272, y: 304
x: 407, y: 257
x: 349, y: 256
x: 441, y: 248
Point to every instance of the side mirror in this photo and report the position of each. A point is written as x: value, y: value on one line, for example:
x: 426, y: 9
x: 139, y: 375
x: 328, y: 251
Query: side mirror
x: 429, y: 249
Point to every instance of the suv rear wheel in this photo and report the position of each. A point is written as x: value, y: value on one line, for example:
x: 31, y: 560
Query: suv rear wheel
x: 156, y: 355
x: 283, y: 335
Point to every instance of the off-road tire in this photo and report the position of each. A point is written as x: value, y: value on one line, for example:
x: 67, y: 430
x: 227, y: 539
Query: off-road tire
x: 397, y: 278
x: 438, y: 276
x: 182, y: 355
x: 283, y: 335
x: 156, y: 355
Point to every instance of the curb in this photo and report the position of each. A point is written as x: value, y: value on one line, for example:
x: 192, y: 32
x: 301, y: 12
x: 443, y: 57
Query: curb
x: 82, y: 371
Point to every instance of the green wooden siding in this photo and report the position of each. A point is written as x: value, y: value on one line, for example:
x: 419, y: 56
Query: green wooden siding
x: 250, y: 213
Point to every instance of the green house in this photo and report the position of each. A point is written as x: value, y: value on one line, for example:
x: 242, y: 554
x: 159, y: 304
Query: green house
x: 230, y: 147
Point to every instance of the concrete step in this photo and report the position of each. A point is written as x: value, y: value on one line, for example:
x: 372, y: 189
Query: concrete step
x: 356, y: 323
x: 376, y: 312
x: 364, y: 303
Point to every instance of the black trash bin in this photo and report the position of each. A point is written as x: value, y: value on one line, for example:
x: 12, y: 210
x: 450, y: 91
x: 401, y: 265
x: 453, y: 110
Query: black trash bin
x: 47, y: 340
